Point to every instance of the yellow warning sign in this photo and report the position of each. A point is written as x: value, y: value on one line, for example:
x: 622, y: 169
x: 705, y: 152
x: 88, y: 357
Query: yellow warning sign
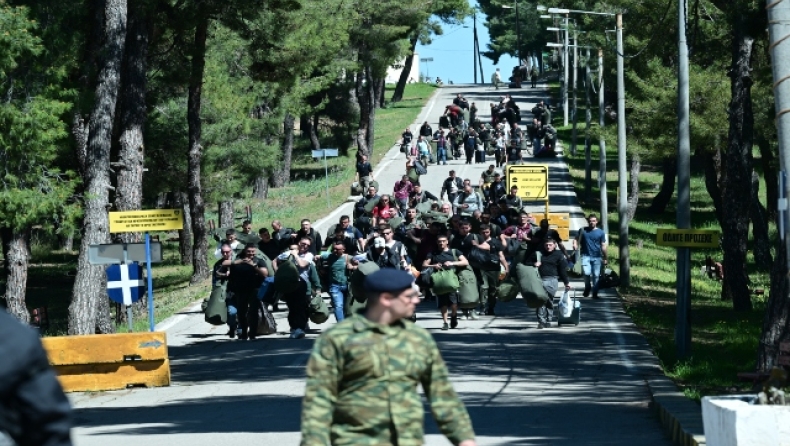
x: 532, y: 180
x: 687, y: 238
x: 142, y: 221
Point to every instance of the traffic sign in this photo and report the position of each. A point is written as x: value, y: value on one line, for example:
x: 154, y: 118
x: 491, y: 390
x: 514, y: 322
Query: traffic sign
x: 320, y: 153
x: 115, y: 253
x: 532, y: 181
x: 687, y: 238
x: 145, y: 221
x: 125, y: 283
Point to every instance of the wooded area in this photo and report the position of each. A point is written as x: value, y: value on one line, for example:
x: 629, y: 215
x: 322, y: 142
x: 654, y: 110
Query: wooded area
x: 732, y: 119
x: 115, y: 105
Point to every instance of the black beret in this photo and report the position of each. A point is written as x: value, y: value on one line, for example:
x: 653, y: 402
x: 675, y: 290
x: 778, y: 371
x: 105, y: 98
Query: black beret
x: 388, y: 280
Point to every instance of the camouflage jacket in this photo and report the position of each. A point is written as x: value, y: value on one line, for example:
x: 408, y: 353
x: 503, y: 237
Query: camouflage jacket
x: 362, y: 387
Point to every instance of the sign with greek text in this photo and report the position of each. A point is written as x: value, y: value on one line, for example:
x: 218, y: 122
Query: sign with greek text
x: 687, y: 238
x: 146, y: 221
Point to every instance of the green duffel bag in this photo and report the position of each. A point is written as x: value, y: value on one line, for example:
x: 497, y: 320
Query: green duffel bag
x: 371, y: 204
x: 507, y: 290
x: 444, y: 281
x: 424, y: 207
x: 216, y: 311
x: 286, y: 279
x: 319, y: 311
x: 395, y: 222
x: 413, y: 175
x: 357, y: 280
x: 468, y: 292
x: 531, y: 286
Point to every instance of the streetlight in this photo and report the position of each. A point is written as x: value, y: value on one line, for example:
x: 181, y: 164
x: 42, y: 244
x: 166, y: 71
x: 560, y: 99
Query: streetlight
x: 622, y: 206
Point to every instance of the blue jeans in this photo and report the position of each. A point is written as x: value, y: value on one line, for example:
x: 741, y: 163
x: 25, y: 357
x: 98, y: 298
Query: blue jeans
x: 441, y: 155
x: 233, y: 322
x: 338, y: 294
x: 591, y: 268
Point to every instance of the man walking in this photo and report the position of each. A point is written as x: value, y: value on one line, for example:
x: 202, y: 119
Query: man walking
x: 244, y: 278
x: 363, y: 373
x: 364, y: 172
x: 338, y: 262
x: 591, y: 243
x: 553, y: 268
x: 452, y: 186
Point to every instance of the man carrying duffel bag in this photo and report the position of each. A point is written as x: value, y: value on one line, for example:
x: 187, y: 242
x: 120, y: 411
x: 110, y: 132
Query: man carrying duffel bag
x: 297, y: 279
x: 553, y: 268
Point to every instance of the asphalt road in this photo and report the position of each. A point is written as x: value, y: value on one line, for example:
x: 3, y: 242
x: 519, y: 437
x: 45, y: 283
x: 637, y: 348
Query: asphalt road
x: 567, y: 385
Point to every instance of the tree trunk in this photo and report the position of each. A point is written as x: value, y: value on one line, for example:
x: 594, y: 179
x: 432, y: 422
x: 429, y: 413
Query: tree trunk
x: 737, y: 180
x: 713, y: 171
x: 86, y: 312
x: 225, y: 212
x: 365, y: 105
x: 664, y: 195
x: 282, y: 177
x: 381, y: 88
x: 129, y: 193
x: 371, y: 89
x: 68, y: 242
x: 633, y: 193
x: 397, y: 95
x: 260, y: 189
x: 181, y: 201
x: 17, y: 259
x: 776, y: 323
x: 771, y: 176
x: 200, y: 269
x: 761, y: 241
x: 311, y: 123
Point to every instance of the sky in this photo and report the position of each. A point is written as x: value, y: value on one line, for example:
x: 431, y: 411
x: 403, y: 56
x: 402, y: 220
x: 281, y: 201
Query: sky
x: 453, y: 54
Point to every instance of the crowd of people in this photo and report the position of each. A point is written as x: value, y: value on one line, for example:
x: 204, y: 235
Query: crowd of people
x: 478, y: 227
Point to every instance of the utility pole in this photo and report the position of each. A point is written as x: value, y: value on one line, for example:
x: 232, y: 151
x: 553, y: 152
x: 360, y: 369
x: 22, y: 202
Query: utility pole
x: 683, y: 310
x: 474, y: 53
x: 518, y: 36
x: 565, y: 76
x: 587, y: 119
x: 602, y: 151
x: 575, y: 80
x: 622, y: 208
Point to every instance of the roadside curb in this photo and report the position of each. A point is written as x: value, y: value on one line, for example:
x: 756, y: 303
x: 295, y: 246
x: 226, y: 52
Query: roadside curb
x: 681, y: 418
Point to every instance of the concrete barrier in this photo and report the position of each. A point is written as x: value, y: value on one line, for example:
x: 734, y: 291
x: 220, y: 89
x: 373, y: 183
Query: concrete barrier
x: 109, y: 362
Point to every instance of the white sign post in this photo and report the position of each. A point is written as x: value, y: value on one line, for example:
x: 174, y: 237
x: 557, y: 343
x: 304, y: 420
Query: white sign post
x: 324, y: 153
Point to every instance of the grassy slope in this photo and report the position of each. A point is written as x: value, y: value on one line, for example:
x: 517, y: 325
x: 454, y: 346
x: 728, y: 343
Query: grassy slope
x: 50, y: 280
x: 723, y: 342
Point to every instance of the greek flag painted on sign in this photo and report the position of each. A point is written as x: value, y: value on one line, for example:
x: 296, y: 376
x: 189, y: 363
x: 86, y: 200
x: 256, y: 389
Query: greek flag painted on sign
x: 125, y: 283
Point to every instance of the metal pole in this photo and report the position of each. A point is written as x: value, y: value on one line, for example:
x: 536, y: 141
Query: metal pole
x: 683, y: 310
x: 518, y: 37
x: 622, y: 208
x: 778, y: 30
x: 565, y: 76
x: 602, y: 151
x: 150, y: 281
x: 326, y: 174
x: 129, y: 318
x: 474, y: 52
x: 587, y: 119
x: 575, y: 76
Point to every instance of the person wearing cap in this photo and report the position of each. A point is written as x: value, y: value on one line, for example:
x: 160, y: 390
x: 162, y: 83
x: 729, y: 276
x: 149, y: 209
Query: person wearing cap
x: 378, y: 253
x: 33, y: 408
x: 363, y: 373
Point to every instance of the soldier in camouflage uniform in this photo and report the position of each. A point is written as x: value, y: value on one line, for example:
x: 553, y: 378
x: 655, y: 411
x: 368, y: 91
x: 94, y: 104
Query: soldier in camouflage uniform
x: 363, y: 373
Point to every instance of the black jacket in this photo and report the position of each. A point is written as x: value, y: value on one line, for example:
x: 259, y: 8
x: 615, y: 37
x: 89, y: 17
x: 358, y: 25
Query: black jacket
x: 33, y: 408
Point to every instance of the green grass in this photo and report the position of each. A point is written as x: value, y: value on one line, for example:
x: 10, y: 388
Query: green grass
x: 306, y: 197
x: 723, y: 342
x: 51, y: 273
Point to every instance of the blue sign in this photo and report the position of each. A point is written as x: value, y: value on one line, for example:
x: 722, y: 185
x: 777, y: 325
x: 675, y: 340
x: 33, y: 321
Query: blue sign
x: 125, y: 283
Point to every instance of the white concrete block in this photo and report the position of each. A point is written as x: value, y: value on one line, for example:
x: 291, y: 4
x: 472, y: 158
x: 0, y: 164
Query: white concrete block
x: 732, y: 421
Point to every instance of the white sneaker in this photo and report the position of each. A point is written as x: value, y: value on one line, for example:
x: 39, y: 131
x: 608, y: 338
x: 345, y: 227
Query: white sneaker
x: 297, y: 334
